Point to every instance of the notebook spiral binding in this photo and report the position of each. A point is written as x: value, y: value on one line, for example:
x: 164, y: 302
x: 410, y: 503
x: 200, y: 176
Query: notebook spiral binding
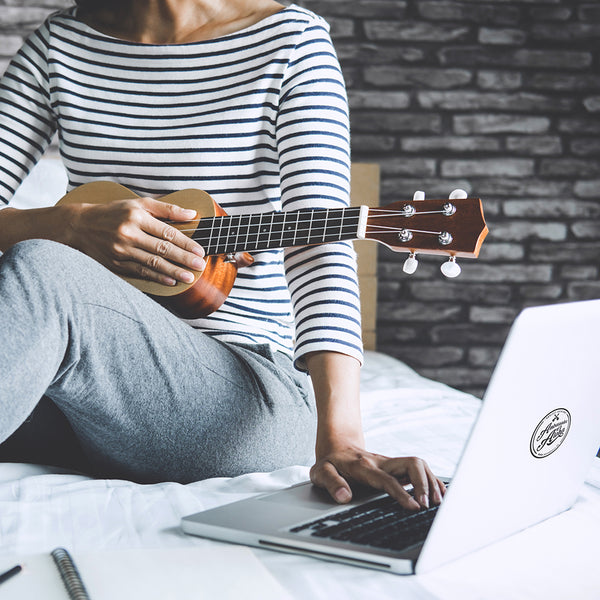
x: 69, y: 575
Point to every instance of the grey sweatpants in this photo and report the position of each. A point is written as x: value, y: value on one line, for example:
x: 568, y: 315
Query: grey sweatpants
x: 148, y: 397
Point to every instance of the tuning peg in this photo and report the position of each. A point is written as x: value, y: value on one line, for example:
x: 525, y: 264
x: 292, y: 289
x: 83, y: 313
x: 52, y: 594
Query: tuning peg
x: 419, y: 195
x: 451, y: 268
x: 458, y: 194
x: 410, y: 264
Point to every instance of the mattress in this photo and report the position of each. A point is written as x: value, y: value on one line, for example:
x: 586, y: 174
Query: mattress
x: 404, y: 414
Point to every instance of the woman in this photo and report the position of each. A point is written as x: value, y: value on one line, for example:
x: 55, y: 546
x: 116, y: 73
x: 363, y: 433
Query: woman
x: 246, y: 101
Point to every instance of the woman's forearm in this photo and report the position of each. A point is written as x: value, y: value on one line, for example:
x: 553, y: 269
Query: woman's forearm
x: 336, y: 382
x: 50, y: 223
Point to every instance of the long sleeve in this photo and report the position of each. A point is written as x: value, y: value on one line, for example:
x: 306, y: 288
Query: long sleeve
x: 314, y: 160
x: 27, y: 122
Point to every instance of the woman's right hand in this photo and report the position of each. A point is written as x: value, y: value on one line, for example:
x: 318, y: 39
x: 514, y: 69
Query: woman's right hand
x: 132, y: 237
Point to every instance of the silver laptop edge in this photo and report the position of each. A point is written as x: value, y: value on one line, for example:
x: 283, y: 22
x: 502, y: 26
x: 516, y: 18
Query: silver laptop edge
x: 525, y: 460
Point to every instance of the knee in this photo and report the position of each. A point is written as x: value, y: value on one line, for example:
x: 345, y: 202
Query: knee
x: 35, y: 256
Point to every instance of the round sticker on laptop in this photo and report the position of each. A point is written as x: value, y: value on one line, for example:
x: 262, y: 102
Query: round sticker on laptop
x: 550, y: 433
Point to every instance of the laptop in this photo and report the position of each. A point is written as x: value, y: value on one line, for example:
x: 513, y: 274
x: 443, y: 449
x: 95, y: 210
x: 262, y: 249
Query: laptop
x: 525, y: 460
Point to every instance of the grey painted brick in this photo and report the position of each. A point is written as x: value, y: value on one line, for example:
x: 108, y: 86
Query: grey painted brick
x: 458, y: 377
x: 451, y: 143
x: 395, y: 188
x: 460, y: 291
x: 372, y: 143
x: 589, y: 11
x: 578, y: 272
x: 569, y: 167
x: 368, y: 99
x: 525, y: 188
x: 495, y: 251
x: 499, y: 80
x: 541, y: 292
x: 576, y: 32
x: 550, y: 13
x: 587, y: 189
x: 483, y: 356
x: 341, y: 28
x: 505, y: 36
x: 567, y: 82
x: 490, y: 167
x: 499, y: 273
x: 414, y: 31
x: 386, y: 122
x: 465, y: 12
x: 498, y: 56
x: 411, y: 77
x: 9, y: 45
x: 586, y: 230
x: 585, y: 147
x: 588, y: 290
x: 430, y: 356
x: 406, y: 312
x: 534, y: 145
x: 579, y: 125
x: 524, y: 230
x: 469, y: 333
x: 352, y: 53
x: 388, y: 290
x: 425, y: 167
x: 561, y: 252
x: 515, y: 102
x: 498, y: 123
x: 554, y: 209
x: 493, y: 314
x: 391, y: 336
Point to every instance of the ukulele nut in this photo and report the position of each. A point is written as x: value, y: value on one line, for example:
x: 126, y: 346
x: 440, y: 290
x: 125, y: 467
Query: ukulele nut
x: 445, y: 238
x: 404, y: 235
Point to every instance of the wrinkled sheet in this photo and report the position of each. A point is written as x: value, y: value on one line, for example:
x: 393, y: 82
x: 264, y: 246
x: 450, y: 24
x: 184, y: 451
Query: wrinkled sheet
x: 404, y: 414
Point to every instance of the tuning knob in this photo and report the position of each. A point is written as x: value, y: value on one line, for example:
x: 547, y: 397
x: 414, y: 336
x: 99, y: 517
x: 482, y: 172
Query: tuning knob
x: 419, y: 195
x: 410, y: 264
x: 458, y: 194
x: 451, y: 268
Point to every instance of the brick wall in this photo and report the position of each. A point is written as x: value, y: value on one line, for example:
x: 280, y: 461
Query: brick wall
x: 499, y: 97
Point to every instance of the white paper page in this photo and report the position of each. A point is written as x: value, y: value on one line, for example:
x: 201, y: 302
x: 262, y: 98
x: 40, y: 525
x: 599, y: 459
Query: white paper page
x: 225, y: 572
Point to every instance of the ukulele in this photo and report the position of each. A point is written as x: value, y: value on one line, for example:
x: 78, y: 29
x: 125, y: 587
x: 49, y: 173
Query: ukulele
x: 450, y: 227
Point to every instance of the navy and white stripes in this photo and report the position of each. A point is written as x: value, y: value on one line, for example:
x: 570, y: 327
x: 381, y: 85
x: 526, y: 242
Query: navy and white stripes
x: 257, y: 118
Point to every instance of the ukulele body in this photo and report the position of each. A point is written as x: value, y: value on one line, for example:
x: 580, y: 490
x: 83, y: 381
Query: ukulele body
x: 210, y: 287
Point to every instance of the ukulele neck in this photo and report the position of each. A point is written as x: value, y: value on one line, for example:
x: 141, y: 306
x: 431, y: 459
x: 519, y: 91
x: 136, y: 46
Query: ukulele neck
x: 266, y: 231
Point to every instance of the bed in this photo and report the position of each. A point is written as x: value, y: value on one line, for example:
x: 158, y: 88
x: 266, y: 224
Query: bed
x: 106, y: 524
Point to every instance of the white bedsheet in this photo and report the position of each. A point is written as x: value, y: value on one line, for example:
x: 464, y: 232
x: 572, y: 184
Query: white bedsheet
x: 41, y: 509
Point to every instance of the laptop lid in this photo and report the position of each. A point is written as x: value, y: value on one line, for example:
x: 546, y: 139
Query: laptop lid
x: 535, y: 438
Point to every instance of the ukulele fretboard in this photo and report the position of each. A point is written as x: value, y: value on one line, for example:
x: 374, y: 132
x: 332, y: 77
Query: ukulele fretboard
x: 265, y: 231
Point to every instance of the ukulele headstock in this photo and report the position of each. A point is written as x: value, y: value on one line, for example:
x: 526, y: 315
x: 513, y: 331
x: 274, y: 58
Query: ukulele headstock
x: 453, y: 227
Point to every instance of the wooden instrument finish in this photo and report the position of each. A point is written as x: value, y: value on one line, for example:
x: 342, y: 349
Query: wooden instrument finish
x: 454, y: 228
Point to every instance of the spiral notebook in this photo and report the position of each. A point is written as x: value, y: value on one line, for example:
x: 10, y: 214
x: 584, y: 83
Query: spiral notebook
x: 196, y: 573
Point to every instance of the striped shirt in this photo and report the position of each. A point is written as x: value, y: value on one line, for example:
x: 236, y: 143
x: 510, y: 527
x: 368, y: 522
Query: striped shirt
x: 257, y: 118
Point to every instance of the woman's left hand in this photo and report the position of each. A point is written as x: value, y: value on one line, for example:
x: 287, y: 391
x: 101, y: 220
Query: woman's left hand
x: 344, y: 463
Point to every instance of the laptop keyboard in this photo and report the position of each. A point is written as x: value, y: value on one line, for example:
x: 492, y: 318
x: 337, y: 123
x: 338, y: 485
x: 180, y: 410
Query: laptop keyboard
x: 381, y: 523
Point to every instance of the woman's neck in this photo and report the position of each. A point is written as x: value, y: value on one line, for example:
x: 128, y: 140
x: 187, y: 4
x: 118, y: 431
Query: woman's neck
x: 176, y: 21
